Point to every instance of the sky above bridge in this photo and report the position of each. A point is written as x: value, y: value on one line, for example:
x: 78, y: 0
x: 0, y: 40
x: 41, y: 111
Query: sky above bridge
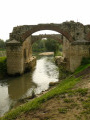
x: 29, y: 12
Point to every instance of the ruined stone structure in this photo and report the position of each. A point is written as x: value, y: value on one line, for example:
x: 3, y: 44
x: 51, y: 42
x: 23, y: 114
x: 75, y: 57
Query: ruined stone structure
x: 19, y: 56
x: 57, y: 37
x: 74, y: 36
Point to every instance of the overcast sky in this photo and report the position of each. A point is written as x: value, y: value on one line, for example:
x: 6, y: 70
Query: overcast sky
x: 28, y: 12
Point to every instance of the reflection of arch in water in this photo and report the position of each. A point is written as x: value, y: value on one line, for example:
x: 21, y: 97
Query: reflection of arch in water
x: 19, y: 86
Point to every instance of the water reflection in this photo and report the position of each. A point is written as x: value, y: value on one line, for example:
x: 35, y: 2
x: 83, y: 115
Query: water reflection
x: 19, y: 86
x: 14, y: 88
x: 4, y: 99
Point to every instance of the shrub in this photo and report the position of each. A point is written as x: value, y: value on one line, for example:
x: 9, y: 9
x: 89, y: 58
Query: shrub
x: 85, y: 61
x: 3, y: 66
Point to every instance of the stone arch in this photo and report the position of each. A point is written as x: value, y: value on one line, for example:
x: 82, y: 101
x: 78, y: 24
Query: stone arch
x: 57, y: 37
x: 20, y: 39
x: 52, y: 27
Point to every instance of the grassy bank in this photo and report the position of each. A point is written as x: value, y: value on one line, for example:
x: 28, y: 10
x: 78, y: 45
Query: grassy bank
x: 34, y: 104
x: 3, y: 67
x: 63, y: 87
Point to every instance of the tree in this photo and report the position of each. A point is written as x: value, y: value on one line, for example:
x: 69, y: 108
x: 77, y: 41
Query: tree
x: 39, y: 46
x: 2, y: 44
x: 52, y: 45
x: 49, y: 45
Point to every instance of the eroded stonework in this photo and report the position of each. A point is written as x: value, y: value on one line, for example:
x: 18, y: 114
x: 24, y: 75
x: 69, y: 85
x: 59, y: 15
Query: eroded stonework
x: 74, y: 36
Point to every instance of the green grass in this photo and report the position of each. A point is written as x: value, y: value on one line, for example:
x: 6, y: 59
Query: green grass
x: 81, y: 68
x: 86, y: 106
x: 2, y: 59
x: 80, y: 91
x: 63, y: 110
x: 68, y: 100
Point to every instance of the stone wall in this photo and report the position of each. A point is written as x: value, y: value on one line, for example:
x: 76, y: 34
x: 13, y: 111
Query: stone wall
x: 19, y: 56
x: 66, y: 52
x: 77, y: 52
x: 27, y: 49
x: 73, y: 53
x: 14, y: 58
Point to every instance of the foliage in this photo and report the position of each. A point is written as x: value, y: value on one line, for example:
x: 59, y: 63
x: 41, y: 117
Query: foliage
x: 46, y: 45
x: 39, y: 46
x: 52, y: 45
x: 84, y: 64
x: 3, y: 66
x: 58, y: 53
x: 85, y: 61
x: 2, y: 44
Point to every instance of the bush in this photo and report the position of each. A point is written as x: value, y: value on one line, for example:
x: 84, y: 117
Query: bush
x: 85, y: 61
x: 3, y: 66
x: 58, y: 53
x: 84, y: 64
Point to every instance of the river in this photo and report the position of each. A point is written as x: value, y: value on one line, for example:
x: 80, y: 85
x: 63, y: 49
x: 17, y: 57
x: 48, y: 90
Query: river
x: 13, y: 89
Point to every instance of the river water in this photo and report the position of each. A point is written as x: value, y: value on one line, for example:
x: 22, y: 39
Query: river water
x: 12, y: 89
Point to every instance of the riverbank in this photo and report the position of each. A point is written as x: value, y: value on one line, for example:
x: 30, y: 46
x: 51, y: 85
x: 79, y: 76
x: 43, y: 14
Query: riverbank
x: 47, y: 53
x: 70, y: 96
x: 13, y: 90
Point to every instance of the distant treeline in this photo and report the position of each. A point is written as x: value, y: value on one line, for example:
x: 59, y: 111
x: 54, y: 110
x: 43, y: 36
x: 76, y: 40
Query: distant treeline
x: 46, y: 45
x: 2, y: 44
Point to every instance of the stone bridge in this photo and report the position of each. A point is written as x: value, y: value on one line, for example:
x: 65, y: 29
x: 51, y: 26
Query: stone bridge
x: 74, y: 36
x: 57, y: 37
